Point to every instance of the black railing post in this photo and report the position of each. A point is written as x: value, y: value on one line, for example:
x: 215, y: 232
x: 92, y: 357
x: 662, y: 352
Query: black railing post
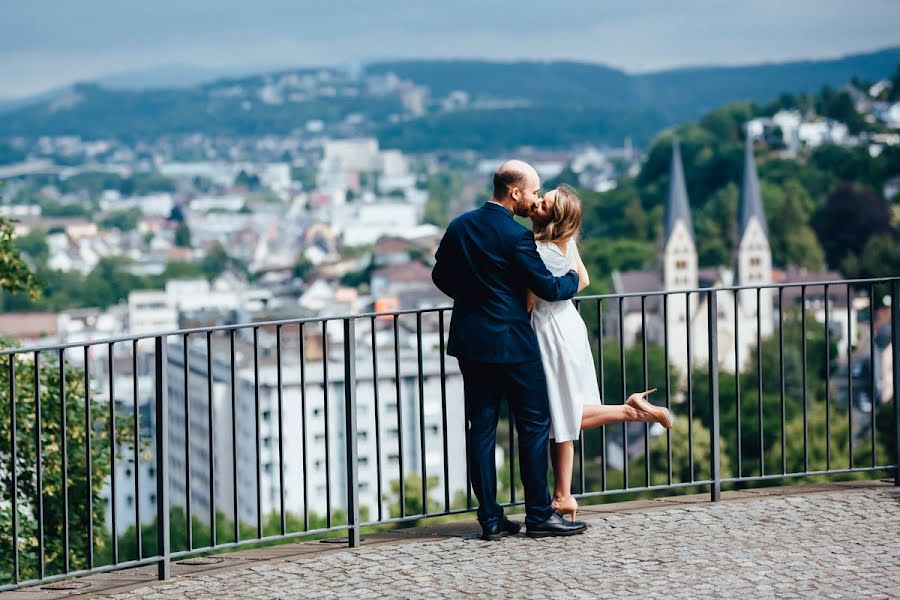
x: 895, y: 351
x: 163, y: 548
x: 350, y: 432
x: 712, y: 325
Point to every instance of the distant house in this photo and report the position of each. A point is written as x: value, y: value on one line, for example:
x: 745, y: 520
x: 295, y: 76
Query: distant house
x: 391, y: 251
x: 29, y: 327
x: 396, y: 279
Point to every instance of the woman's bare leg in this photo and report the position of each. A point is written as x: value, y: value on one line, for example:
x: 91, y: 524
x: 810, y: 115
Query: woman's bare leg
x: 563, y: 457
x: 598, y: 415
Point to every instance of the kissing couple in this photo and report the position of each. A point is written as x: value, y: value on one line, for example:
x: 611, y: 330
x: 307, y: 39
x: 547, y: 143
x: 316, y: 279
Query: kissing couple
x: 518, y: 336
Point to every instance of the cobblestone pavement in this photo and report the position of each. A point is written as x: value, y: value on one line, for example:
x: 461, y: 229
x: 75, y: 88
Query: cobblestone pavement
x: 841, y: 544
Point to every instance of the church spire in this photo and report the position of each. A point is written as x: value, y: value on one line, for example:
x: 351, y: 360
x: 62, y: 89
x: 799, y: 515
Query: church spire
x: 677, y: 205
x: 751, y: 200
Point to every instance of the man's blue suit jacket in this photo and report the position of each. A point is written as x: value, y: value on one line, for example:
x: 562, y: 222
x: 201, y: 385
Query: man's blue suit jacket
x: 486, y: 261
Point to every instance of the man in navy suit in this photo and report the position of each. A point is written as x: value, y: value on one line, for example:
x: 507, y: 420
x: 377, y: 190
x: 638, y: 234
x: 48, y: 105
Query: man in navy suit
x: 486, y: 261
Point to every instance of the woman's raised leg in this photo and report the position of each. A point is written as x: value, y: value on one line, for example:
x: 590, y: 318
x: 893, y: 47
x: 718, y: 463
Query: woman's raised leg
x: 598, y: 415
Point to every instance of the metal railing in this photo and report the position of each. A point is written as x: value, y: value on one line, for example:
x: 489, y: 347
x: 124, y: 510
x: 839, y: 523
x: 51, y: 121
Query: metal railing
x: 229, y: 415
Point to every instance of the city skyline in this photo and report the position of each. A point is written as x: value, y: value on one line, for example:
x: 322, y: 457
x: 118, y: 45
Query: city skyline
x: 40, y: 50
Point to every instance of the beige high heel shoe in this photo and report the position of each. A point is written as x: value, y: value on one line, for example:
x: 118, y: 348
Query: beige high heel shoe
x: 566, y: 506
x: 656, y: 413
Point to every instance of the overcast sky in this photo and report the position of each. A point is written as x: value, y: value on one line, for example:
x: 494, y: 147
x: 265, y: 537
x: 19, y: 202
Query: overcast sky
x: 46, y: 43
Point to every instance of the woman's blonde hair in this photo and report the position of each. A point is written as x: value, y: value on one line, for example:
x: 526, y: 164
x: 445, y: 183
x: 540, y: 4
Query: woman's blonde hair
x: 565, y: 217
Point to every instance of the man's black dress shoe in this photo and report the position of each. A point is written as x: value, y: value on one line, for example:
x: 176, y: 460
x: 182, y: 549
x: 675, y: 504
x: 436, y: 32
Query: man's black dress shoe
x: 503, y: 528
x: 556, y: 526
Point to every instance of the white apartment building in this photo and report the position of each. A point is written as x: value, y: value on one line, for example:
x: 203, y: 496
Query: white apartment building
x: 324, y: 399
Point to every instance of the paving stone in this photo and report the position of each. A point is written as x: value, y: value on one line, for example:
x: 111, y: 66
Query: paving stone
x: 837, y: 544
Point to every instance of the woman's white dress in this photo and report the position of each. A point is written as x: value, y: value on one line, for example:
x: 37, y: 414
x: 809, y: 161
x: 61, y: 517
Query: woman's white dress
x: 565, y: 351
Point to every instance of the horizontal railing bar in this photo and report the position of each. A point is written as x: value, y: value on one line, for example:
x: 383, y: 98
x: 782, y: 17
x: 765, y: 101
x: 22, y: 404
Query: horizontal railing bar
x: 82, y: 572
x: 237, y: 326
x: 738, y: 288
x: 219, y: 328
x: 652, y: 488
x: 809, y: 473
x: 408, y: 518
x: 247, y: 542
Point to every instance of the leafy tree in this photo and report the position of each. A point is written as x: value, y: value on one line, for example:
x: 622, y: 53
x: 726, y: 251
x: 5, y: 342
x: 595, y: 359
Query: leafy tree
x: 15, y: 276
x: 147, y: 182
x: 602, y: 256
x: 846, y: 164
x: 177, y: 214
x: 792, y: 240
x: 716, y: 227
x: 183, y: 235
x: 247, y: 180
x: 851, y: 215
x: 636, y: 220
x: 604, y: 213
x: 123, y: 220
x: 110, y: 282
x: 305, y: 175
x: 412, y: 500
x: 443, y: 188
x: 302, y: 266
x: 52, y: 488
x: 215, y: 261
x: 682, y: 455
x: 53, y: 208
x: 838, y: 105
x: 179, y: 269
x: 34, y: 244
x: 879, y: 258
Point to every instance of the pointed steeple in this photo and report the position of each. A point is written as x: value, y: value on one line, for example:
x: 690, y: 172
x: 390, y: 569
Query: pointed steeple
x: 751, y: 199
x: 677, y: 206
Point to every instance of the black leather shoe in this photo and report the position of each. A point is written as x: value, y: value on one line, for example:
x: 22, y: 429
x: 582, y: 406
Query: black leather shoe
x: 503, y: 528
x: 556, y: 526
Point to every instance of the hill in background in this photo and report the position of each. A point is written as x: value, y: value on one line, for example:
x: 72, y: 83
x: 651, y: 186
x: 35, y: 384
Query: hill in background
x: 543, y: 104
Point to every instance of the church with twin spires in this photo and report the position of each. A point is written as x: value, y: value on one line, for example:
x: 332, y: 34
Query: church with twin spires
x: 678, y: 269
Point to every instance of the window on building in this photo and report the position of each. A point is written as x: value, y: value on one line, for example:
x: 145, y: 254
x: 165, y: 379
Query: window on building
x: 754, y: 261
x: 129, y: 500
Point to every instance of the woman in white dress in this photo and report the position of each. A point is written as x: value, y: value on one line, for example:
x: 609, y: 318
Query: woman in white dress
x: 575, y: 402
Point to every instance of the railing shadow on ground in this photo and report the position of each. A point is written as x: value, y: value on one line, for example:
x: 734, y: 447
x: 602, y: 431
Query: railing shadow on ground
x: 145, y: 449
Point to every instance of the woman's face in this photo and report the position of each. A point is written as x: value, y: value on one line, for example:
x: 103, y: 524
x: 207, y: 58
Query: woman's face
x: 540, y: 210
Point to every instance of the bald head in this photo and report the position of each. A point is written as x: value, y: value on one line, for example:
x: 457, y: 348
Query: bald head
x: 516, y: 185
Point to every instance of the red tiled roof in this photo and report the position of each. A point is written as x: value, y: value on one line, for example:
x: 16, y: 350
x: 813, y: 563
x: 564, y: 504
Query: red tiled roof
x: 411, y: 271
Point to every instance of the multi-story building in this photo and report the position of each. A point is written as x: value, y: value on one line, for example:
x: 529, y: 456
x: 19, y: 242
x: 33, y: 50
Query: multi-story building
x: 302, y: 437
